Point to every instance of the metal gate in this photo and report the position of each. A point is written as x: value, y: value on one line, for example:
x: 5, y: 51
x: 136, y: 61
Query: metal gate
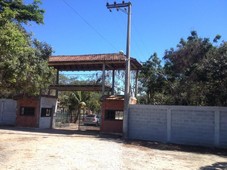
x: 61, y: 119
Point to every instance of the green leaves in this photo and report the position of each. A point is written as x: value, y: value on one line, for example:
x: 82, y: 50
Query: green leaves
x: 73, y: 102
x: 23, y: 63
x: 17, y: 11
x: 195, y: 73
x: 152, y: 78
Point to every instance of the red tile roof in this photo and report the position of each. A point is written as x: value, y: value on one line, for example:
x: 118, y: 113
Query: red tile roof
x: 91, y: 57
x: 91, y: 62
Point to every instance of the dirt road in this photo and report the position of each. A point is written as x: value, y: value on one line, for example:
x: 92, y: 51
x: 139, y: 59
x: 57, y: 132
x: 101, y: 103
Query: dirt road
x: 70, y: 150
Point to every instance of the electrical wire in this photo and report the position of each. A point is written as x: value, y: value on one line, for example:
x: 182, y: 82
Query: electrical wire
x: 137, y: 43
x: 100, y: 35
x: 137, y: 34
x: 91, y: 26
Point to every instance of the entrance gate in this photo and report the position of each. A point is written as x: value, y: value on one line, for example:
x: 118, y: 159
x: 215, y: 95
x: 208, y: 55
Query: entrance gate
x: 61, y: 119
x: 95, y: 62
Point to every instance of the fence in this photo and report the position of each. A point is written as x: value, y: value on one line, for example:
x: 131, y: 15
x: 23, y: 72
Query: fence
x: 204, y: 126
x: 61, y: 119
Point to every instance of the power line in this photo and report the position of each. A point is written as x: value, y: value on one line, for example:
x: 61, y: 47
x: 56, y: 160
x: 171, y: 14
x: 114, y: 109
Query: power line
x: 91, y: 26
x: 137, y: 33
x: 138, y: 43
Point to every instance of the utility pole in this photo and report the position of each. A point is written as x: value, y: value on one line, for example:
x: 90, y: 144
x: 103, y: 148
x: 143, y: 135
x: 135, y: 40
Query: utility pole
x: 127, y: 69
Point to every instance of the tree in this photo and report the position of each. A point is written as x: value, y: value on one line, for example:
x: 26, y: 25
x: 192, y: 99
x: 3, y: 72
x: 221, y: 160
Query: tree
x: 213, y: 73
x: 153, y: 80
x: 17, y: 11
x: 196, y: 72
x: 180, y: 68
x: 77, y: 101
x: 73, y: 102
x: 23, y: 62
x: 94, y: 102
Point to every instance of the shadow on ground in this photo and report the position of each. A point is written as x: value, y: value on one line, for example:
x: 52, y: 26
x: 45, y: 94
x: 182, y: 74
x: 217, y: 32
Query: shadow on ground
x: 216, y: 166
x: 177, y: 147
x: 58, y: 131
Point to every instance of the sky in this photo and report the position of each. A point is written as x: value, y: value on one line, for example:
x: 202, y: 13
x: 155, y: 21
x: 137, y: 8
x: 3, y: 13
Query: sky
x: 75, y: 27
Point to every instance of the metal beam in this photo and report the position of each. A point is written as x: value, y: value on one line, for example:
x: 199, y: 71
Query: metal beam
x: 118, y: 5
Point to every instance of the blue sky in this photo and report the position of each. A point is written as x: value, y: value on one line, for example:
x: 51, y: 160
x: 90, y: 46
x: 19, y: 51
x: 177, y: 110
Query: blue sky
x: 157, y: 25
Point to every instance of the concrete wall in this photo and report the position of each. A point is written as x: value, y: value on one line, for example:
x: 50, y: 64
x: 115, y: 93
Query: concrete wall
x: 7, y: 111
x: 204, y: 126
x: 223, y: 129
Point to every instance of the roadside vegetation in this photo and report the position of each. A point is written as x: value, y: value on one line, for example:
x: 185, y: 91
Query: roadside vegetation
x: 194, y: 73
x: 23, y: 59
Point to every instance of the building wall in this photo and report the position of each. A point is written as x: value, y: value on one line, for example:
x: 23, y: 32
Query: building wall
x: 111, y: 126
x: 28, y: 121
x: 47, y: 102
x: 7, y: 112
x: 204, y: 126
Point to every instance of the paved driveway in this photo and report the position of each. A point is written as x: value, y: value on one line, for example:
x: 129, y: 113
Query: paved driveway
x: 69, y: 150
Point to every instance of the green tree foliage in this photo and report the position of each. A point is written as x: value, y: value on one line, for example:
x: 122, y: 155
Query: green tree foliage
x: 71, y: 101
x: 23, y: 62
x: 193, y: 74
x: 212, y: 73
x: 16, y: 10
x: 152, y: 78
x: 74, y: 101
x: 94, y: 103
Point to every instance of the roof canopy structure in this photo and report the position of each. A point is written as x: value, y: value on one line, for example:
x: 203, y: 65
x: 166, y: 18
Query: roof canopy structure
x: 92, y: 62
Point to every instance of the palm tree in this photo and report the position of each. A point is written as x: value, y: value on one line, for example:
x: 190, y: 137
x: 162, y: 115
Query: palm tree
x: 77, y: 102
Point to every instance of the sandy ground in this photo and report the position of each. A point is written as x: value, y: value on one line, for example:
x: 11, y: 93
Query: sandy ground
x: 56, y: 149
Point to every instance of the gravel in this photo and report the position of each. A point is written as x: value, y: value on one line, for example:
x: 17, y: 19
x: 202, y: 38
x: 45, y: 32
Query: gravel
x: 25, y: 148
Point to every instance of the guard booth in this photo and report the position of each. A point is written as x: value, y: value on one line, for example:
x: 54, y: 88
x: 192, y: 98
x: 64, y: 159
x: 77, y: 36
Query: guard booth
x: 113, y: 113
x: 35, y: 111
